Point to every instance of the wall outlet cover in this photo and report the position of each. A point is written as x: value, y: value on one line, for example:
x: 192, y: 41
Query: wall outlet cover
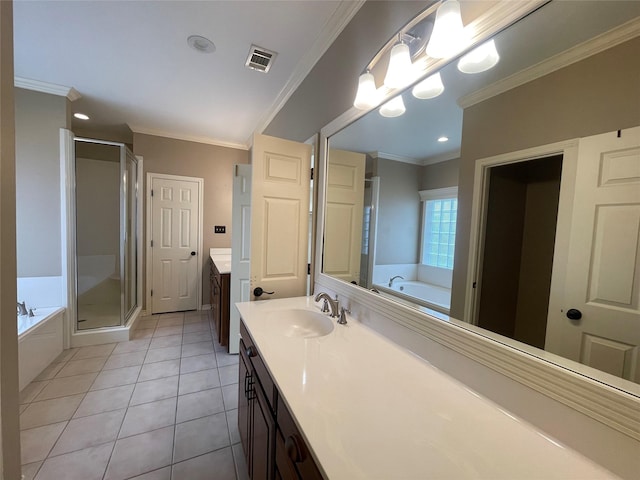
x: 219, y: 229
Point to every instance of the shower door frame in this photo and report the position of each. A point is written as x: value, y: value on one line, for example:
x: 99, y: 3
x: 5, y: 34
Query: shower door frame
x: 69, y: 234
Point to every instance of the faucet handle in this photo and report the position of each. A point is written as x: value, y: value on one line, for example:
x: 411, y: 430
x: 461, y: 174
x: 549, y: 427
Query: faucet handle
x: 343, y: 317
x: 325, y: 306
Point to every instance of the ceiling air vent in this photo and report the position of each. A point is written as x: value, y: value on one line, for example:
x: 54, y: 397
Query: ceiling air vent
x: 260, y: 59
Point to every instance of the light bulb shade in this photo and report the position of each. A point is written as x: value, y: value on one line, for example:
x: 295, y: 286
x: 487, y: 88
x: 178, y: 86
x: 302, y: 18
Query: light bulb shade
x: 393, y: 108
x: 367, y: 96
x: 448, y: 36
x: 430, y: 87
x: 480, y: 58
x: 399, y: 72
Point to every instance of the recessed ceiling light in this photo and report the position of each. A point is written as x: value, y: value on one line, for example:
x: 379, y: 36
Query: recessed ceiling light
x: 81, y: 116
x: 201, y: 44
x: 443, y: 139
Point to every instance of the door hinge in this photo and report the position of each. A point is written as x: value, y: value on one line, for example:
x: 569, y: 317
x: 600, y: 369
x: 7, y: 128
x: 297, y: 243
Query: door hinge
x: 308, y: 269
x: 152, y: 292
x: 151, y: 243
x: 474, y: 285
x: 312, y: 174
x: 152, y: 192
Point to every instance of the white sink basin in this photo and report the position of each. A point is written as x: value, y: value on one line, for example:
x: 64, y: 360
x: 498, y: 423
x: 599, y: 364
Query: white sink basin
x: 301, y: 323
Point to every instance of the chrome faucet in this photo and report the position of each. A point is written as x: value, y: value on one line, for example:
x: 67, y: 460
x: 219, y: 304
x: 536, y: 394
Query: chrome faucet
x: 333, y: 303
x: 393, y: 278
x: 22, y: 309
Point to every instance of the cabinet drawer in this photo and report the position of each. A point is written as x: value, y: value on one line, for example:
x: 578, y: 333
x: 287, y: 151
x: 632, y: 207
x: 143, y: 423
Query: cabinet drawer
x: 258, y: 365
x: 290, y: 445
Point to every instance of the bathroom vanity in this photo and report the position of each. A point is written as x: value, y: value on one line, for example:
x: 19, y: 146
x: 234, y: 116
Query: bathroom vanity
x: 321, y: 400
x: 219, y: 280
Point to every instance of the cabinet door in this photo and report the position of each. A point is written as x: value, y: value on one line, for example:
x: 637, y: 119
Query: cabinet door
x: 285, y: 468
x: 245, y: 381
x: 263, y: 437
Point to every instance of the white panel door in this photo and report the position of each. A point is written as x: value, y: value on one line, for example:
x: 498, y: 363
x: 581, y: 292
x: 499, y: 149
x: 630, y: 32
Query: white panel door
x: 174, y: 226
x: 240, y: 249
x: 280, y: 216
x: 343, y: 215
x: 603, y: 270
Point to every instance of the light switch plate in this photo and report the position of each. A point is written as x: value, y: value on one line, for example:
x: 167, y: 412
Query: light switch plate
x: 219, y: 229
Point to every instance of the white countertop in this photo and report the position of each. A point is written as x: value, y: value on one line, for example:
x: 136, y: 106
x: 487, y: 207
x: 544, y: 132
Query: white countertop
x: 370, y: 409
x: 222, y: 258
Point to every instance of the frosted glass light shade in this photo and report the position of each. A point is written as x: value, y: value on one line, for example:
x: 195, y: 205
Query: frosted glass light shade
x: 367, y: 96
x: 480, y: 58
x: 399, y: 72
x: 430, y: 87
x: 393, y: 108
x: 448, y: 36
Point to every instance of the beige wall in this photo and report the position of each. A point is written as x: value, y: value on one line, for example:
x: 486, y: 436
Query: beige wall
x: 440, y: 175
x: 398, y: 228
x: 596, y: 95
x: 98, y: 207
x: 39, y: 117
x: 9, y: 415
x: 212, y: 163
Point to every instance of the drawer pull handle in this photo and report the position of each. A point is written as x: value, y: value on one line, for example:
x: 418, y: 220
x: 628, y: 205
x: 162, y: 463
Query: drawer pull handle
x: 251, y: 352
x: 293, y: 448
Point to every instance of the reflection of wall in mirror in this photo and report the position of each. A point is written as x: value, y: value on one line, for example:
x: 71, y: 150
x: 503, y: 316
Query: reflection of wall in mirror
x: 400, y: 214
x: 598, y: 94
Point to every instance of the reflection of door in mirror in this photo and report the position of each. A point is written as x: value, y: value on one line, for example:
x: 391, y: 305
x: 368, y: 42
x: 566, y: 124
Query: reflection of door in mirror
x: 603, y: 269
x: 343, y: 215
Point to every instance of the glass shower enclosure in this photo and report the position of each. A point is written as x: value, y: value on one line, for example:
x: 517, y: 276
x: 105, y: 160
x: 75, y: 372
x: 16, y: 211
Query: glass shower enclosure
x: 106, y: 205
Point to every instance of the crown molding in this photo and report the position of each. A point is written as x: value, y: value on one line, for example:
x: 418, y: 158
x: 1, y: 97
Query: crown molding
x: 188, y: 138
x: 443, y: 157
x: 45, y: 87
x: 395, y: 158
x: 334, y: 26
x: 616, y: 36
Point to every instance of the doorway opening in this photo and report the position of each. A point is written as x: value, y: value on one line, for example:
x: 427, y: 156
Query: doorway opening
x: 518, y: 240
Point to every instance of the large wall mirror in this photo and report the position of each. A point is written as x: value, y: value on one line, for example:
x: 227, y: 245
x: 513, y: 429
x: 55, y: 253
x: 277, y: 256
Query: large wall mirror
x: 422, y: 212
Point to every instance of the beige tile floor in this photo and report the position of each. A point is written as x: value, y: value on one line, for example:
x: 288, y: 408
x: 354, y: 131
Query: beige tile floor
x: 162, y: 406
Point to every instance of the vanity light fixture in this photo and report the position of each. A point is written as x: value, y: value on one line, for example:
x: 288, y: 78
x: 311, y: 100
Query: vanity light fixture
x: 449, y: 36
x: 367, y: 96
x: 480, y: 59
x: 393, y: 108
x: 443, y: 139
x: 399, y: 72
x: 81, y: 116
x: 430, y: 87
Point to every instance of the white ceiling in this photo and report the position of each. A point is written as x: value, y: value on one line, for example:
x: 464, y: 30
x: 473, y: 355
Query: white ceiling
x: 131, y: 63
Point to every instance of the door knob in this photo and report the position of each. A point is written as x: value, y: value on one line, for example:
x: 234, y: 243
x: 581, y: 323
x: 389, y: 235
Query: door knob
x: 574, y: 314
x: 193, y: 254
x: 259, y: 291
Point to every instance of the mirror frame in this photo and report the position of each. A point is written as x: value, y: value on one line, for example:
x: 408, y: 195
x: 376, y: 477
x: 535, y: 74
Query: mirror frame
x: 593, y: 393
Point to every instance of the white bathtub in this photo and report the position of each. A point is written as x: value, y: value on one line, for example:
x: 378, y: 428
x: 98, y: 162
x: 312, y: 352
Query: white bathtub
x: 39, y: 342
x: 424, y: 291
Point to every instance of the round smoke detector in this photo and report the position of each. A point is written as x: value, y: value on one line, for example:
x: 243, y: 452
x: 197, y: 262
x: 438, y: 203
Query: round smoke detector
x: 201, y: 44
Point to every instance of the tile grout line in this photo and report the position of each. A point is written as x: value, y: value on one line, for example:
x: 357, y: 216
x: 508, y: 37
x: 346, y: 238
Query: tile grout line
x: 126, y: 408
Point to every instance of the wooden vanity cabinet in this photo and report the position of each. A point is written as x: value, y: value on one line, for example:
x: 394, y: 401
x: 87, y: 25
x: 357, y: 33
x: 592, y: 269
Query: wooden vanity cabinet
x: 272, y: 444
x: 256, y: 420
x: 220, y: 302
